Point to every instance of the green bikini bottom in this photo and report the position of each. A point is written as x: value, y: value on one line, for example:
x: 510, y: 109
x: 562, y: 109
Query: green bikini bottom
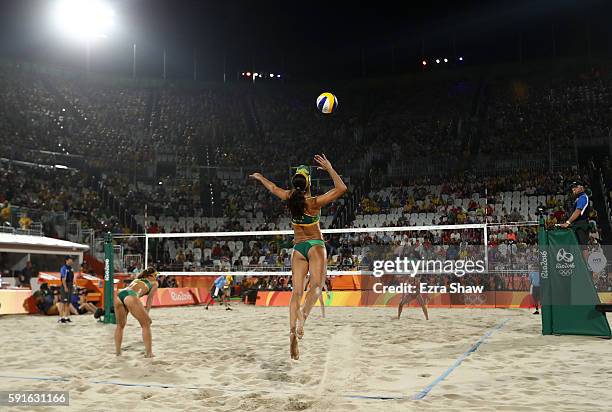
x: 304, y: 247
x: 123, y: 293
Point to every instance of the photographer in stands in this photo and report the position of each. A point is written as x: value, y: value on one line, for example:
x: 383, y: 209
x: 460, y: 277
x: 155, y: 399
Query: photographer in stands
x: 45, y: 300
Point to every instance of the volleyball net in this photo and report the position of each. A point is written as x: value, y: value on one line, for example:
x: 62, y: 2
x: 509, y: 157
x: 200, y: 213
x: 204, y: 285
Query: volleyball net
x: 498, y: 255
x: 223, y: 251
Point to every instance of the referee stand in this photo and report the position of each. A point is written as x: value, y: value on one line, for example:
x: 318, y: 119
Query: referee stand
x: 570, y: 303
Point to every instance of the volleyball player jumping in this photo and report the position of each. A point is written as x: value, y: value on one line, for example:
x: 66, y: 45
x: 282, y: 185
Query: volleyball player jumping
x: 309, y: 254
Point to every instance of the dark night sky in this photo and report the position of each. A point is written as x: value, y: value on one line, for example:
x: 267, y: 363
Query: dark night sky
x: 315, y: 39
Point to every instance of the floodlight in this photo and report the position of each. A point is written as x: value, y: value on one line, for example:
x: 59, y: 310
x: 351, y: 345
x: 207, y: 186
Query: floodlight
x: 84, y: 19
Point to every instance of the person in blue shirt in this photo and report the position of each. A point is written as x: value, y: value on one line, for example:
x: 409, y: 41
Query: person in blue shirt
x: 534, y: 279
x: 216, y: 290
x: 80, y: 306
x: 579, y: 219
x: 67, y: 278
x: 75, y: 304
x: 44, y: 302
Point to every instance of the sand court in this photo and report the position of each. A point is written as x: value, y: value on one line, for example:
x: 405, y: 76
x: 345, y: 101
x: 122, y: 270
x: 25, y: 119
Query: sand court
x: 354, y: 359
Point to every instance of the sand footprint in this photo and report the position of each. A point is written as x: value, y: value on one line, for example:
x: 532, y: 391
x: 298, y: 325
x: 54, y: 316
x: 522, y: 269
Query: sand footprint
x: 452, y: 396
x: 82, y: 388
x: 298, y: 404
x: 206, y: 394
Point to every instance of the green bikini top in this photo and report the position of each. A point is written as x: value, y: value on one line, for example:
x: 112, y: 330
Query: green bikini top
x: 146, y: 282
x: 306, y: 219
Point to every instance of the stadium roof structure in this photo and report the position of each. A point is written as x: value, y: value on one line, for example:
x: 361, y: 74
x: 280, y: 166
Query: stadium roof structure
x: 12, y: 243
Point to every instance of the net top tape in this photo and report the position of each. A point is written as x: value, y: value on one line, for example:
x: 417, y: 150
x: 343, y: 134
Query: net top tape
x: 344, y: 230
x: 347, y: 230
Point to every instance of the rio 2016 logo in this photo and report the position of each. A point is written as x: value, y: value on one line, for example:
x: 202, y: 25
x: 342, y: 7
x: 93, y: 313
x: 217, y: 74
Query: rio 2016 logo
x: 564, y: 256
x: 544, y: 264
x: 106, y: 269
x: 565, y: 262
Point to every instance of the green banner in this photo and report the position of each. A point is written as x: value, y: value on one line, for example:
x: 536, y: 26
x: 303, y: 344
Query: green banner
x: 568, y: 292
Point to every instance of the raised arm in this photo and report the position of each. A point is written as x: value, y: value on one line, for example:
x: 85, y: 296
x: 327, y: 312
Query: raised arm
x: 339, y: 186
x: 282, y: 194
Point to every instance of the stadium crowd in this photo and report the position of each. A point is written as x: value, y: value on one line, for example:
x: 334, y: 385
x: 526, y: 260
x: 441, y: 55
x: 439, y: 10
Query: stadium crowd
x: 149, y: 146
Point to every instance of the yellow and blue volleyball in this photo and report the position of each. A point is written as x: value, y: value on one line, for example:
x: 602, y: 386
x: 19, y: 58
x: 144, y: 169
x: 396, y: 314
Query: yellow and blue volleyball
x: 327, y: 103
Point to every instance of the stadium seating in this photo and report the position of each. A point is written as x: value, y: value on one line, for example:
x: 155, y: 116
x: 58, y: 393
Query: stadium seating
x: 185, y: 153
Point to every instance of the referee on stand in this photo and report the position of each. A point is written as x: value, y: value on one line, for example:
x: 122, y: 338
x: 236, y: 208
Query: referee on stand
x: 579, y: 219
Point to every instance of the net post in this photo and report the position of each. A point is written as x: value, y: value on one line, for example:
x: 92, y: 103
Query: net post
x: 486, y: 246
x: 109, y: 279
x: 146, y: 251
x: 543, y: 262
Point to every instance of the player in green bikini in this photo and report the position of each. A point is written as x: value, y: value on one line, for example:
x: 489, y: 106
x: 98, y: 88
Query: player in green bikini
x: 128, y: 301
x: 309, y: 255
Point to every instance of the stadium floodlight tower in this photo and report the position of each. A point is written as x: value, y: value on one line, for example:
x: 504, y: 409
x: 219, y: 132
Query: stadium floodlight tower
x: 84, y: 21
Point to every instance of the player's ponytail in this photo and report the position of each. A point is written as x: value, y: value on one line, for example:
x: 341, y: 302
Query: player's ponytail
x: 150, y: 271
x: 297, y: 200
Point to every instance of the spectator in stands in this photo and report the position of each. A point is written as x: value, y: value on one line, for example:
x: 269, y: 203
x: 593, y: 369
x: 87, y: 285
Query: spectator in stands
x: 5, y: 212
x: 26, y: 274
x: 180, y: 257
x: 216, y: 251
x: 347, y: 262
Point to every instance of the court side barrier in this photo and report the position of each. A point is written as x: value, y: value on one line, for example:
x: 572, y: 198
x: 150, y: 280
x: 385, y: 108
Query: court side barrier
x: 16, y: 302
x: 178, y: 297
